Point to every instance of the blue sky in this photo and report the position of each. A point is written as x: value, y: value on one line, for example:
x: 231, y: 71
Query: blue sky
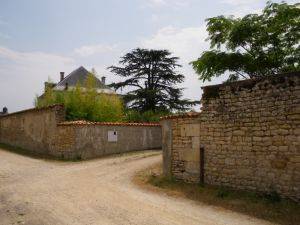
x: 40, y: 38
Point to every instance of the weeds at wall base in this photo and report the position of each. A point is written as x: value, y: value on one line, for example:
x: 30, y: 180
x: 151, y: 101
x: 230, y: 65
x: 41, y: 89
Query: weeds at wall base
x: 27, y: 152
x: 267, y: 206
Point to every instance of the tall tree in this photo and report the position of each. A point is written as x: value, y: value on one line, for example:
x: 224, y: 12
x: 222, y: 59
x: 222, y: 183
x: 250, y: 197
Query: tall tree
x: 151, y: 76
x: 252, y: 46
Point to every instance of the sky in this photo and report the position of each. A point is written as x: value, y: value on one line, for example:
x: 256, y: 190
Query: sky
x: 40, y: 38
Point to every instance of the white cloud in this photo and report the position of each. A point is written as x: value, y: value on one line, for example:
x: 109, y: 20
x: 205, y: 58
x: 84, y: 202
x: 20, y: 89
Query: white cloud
x: 242, y: 7
x: 2, y: 22
x: 155, y: 18
x: 157, y: 2
x: 164, y: 3
x: 240, y: 2
x: 251, y: 2
x: 22, y: 75
x: 31, y: 57
x: 4, y: 36
x: 187, y: 42
x: 89, y: 50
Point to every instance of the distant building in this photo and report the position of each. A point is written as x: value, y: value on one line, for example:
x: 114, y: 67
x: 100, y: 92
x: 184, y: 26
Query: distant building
x: 78, y: 76
x: 4, y: 111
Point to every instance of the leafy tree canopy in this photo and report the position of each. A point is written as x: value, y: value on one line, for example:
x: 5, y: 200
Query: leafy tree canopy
x: 253, y: 46
x: 151, y: 76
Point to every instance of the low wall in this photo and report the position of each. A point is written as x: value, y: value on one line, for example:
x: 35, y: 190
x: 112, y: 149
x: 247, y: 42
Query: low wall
x: 31, y: 129
x: 45, y: 131
x: 88, y: 140
x: 250, y: 132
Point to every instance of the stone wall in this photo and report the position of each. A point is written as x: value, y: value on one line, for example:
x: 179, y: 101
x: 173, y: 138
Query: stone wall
x: 31, y: 129
x: 45, y: 131
x: 250, y: 131
x: 89, y: 140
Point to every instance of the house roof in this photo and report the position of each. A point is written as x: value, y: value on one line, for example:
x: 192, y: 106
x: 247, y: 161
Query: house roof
x: 78, y: 76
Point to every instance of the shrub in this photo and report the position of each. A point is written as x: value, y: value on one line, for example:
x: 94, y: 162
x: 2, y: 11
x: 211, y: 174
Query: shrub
x: 148, y: 116
x: 222, y: 192
x: 272, y: 196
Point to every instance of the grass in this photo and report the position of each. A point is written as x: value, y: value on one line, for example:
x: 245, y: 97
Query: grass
x: 268, y: 207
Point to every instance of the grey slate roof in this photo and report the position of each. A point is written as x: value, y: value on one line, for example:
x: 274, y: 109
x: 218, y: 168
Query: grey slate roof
x: 79, y: 75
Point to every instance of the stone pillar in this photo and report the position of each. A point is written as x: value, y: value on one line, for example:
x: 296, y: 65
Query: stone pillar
x: 166, y: 126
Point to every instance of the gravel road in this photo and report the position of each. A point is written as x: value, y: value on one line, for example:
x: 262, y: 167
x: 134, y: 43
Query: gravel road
x: 96, y: 192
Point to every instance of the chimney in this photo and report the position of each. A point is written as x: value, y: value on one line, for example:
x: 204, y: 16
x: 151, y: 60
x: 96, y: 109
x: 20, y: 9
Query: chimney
x: 103, y: 79
x: 46, y: 86
x: 4, y: 110
x: 62, y: 76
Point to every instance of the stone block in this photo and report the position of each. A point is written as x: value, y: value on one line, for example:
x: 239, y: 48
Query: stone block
x: 192, y: 167
x: 230, y: 161
x: 295, y: 159
x: 279, y: 163
x: 191, y: 155
x: 196, y: 142
x: 190, y: 130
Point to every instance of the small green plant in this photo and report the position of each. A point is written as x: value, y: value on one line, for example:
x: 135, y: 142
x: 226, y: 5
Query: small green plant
x: 161, y: 181
x: 272, y: 197
x: 285, y: 212
x: 148, y: 116
x: 222, y: 192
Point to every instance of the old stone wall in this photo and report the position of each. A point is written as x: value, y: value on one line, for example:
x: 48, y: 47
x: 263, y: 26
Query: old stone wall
x: 250, y: 131
x: 31, y: 129
x: 45, y: 131
x: 89, y: 140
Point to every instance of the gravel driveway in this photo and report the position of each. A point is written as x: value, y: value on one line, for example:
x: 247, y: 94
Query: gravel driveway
x: 40, y: 192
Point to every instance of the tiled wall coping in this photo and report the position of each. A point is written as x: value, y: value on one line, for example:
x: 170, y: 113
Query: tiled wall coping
x: 87, y: 123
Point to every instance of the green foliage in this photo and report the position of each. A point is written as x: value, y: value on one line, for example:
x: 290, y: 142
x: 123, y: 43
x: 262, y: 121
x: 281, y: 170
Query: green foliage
x: 148, y: 116
x: 84, y: 103
x: 252, y: 46
x: 272, y: 197
x: 222, y: 192
x: 152, y: 78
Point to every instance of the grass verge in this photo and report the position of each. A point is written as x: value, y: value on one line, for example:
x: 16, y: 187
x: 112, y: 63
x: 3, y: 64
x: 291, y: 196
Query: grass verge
x: 268, y: 207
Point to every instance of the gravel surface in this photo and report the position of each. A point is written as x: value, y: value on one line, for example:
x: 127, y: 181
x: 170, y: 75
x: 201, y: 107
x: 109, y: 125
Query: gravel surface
x: 96, y: 192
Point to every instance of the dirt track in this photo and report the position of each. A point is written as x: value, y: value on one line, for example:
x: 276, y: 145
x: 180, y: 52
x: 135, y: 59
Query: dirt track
x: 39, y: 192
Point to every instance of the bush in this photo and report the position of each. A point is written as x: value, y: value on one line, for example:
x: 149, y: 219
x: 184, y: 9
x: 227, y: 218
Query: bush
x: 222, y: 192
x: 148, y: 116
x: 84, y: 103
x: 272, y: 197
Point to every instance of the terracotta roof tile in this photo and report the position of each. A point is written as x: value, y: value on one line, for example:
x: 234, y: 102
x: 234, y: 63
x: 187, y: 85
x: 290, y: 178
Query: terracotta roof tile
x: 183, y: 115
x: 83, y: 123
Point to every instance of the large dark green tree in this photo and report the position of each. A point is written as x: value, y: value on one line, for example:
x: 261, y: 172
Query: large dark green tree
x: 151, y: 77
x: 253, y: 46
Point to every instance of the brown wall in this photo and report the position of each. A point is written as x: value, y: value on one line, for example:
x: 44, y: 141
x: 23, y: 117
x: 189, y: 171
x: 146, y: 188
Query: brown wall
x: 251, y: 134
x: 31, y: 129
x: 91, y: 140
x: 44, y: 131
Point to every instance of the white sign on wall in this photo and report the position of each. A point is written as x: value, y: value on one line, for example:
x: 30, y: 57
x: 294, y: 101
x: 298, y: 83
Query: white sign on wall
x: 112, y: 136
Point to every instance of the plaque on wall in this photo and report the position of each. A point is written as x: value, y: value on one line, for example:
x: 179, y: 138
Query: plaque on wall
x: 112, y: 136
